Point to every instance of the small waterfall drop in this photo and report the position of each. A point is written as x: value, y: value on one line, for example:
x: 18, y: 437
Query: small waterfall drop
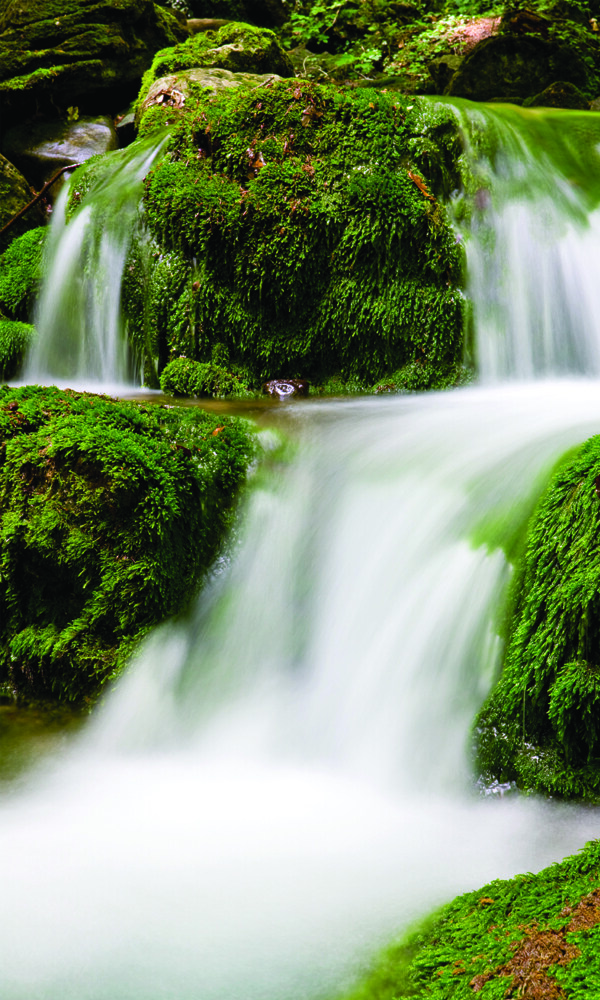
x: 81, y: 339
x: 532, y: 236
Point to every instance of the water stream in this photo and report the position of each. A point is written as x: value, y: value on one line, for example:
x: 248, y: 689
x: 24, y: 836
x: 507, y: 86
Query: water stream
x: 282, y: 781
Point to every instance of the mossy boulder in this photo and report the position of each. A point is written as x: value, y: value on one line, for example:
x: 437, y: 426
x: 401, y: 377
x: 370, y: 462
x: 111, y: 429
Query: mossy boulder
x: 86, y: 53
x: 299, y: 226
x: 533, y: 936
x: 15, y: 194
x: 21, y: 267
x: 15, y: 340
x: 529, y: 53
x: 559, y: 95
x: 183, y: 377
x: 239, y: 48
x: 110, y: 514
x: 540, y: 727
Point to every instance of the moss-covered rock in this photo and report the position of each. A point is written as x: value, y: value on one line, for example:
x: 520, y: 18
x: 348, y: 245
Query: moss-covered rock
x: 239, y: 48
x: 183, y: 377
x: 559, y: 95
x: 90, y: 53
x: 298, y: 225
x: 21, y: 272
x: 110, y: 513
x: 15, y: 339
x: 541, y: 724
x: 15, y: 194
x: 534, y: 936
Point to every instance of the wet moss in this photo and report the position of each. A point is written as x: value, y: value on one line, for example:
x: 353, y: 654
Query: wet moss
x: 540, y: 726
x: 15, y: 339
x: 183, y: 377
x: 311, y: 236
x: 534, y: 936
x: 21, y: 267
x: 111, y: 513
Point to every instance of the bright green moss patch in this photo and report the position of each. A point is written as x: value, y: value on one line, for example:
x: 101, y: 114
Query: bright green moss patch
x: 418, y: 376
x: 534, y: 936
x: 15, y: 339
x: 183, y: 377
x: 21, y: 273
x: 541, y: 725
x: 311, y: 239
x: 111, y: 512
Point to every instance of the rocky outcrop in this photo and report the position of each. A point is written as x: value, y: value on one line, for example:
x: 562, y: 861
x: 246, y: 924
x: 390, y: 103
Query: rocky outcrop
x: 56, y: 54
x: 40, y: 148
x: 16, y: 194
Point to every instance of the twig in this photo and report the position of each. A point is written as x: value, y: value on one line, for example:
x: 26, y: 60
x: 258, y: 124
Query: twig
x: 69, y: 166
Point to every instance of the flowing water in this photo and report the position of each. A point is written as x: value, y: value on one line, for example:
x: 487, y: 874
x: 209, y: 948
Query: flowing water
x: 281, y: 782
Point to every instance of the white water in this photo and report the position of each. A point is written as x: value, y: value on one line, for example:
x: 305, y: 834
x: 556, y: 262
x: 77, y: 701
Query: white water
x: 81, y: 339
x: 281, y: 782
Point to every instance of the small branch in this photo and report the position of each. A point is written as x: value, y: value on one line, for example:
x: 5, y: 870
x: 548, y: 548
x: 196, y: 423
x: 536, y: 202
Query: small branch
x: 40, y: 194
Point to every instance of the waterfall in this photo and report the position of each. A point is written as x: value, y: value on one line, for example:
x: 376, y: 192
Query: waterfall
x: 81, y: 339
x: 281, y: 781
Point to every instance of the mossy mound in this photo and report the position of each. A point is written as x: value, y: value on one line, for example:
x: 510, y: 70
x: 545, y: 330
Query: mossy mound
x: 15, y: 339
x: 183, y: 377
x: 298, y: 226
x: 239, y: 48
x: 111, y: 512
x: 541, y: 725
x: 21, y: 267
x: 57, y: 53
x: 418, y: 376
x: 534, y: 936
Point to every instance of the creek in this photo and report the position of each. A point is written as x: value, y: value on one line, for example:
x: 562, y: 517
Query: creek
x: 282, y: 782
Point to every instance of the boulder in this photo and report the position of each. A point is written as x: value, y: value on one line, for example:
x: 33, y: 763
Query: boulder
x: 507, y: 66
x: 110, y: 514
x: 15, y: 194
x: 559, y: 95
x: 40, y: 148
x: 285, y: 388
x: 88, y: 54
x: 239, y: 48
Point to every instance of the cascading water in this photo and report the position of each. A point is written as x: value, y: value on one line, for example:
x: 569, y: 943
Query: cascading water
x: 81, y: 339
x: 281, y: 782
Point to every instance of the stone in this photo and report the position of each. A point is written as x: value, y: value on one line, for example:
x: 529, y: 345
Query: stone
x: 172, y: 91
x: 284, y: 388
x: 442, y: 70
x: 15, y: 194
x: 40, y: 148
x: 88, y: 54
x: 515, y: 66
x: 559, y: 95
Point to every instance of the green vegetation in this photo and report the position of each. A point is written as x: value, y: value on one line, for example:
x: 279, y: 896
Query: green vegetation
x: 183, y: 377
x: 111, y: 513
x: 534, y: 936
x: 15, y: 338
x: 21, y: 267
x: 301, y: 229
x: 540, y: 726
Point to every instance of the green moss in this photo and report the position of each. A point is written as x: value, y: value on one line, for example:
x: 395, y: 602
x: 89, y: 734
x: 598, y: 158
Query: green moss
x: 540, y: 725
x: 240, y: 48
x: 21, y: 268
x: 419, y: 376
x: 311, y: 239
x: 111, y: 512
x: 15, y: 338
x: 531, y: 936
x: 183, y: 377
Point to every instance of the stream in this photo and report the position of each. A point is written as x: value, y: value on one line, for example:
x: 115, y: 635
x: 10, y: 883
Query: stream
x: 281, y: 782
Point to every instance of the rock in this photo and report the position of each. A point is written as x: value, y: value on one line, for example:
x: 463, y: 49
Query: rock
x: 197, y: 24
x: 559, y: 95
x: 111, y: 513
x: 172, y: 91
x: 239, y: 48
x: 88, y: 54
x: 40, y: 148
x: 284, y: 388
x: 265, y: 13
x: 15, y: 194
x: 515, y: 66
x: 443, y: 69
x: 125, y: 129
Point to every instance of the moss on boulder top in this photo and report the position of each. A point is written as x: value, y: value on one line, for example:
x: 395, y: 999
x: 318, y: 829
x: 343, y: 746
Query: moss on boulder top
x: 111, y: 512
x: 533, y: 936
x: 541, y: 724
x: 298, y: 225
x: 239, y: 48
x: 89, y: 53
